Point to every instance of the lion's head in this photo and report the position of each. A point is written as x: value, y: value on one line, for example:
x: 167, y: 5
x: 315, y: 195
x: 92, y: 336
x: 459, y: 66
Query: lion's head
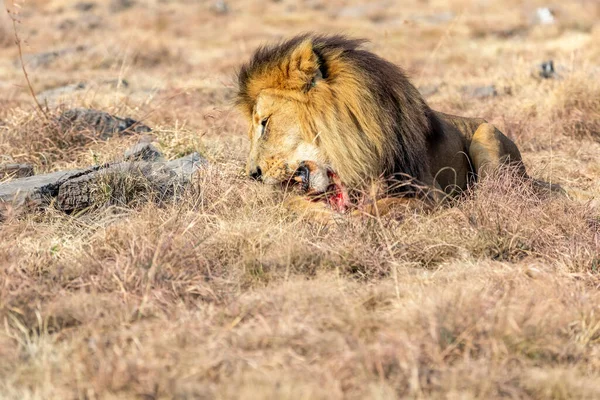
x: 324, y: 102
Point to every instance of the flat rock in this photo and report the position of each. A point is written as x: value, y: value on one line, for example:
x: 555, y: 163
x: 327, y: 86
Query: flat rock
x: 434, y: 19
x: 87, y: 21
x: 220, y: 7
x: 85, y: 6
x: 81, y: 188
x: 51, y: 94
x: 480, y: 92
x: 186, y: 167
x: 37, y: 190
x: 125, y: 180
x: 46, y: 58
x: 429, y: 90
x: 15, y: 170
x: 103, y: 123
x: 121, y: 5
x: 143, y: 151
x: 373, y: 10
x: 55, y: 94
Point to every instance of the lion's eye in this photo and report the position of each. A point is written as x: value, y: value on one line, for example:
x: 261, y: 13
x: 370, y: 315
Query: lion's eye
x: 263, y: 125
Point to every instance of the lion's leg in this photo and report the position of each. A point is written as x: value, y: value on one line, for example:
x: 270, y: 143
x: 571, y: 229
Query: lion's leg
x: 490, y: 148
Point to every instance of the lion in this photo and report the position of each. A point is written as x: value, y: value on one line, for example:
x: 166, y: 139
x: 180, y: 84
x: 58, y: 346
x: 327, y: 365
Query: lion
x: 332, y: 119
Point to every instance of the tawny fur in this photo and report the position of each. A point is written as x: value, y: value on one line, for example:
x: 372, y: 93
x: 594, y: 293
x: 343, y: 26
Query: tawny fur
x: 325, y: 99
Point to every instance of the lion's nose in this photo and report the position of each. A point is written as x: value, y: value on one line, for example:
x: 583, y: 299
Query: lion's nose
x: 256, y: 174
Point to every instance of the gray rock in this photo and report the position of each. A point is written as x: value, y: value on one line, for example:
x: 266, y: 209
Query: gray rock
x: 119, y: 183
x: 101, y: 122
x: 429, y: 90
x: 47, y: 58
x: 85, y: 6
x: 361, y: 10
x: 85, y: 22
x: 549, y: 70
x: 54, y: 93
x: 15, y: 171
x: 544, y: 16
x: 36, y: 190
x: 220, y: 7
x: 121, y: 5
x: 143, y: 151
x: 186, y: 167
x: 122, y: 183
x: 480, y: 92
x: 546, y: 70
x: 434, y: 19
x: 82, y: 188
x: 116, y: 83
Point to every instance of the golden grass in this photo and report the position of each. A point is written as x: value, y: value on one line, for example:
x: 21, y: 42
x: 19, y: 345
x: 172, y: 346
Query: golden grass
x: 224, y: 294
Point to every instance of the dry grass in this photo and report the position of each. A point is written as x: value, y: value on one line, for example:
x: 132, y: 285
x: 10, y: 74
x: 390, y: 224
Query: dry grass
x: 224, y: 294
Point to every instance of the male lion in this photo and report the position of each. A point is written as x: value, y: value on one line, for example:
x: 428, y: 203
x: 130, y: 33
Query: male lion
x: 335, y: 118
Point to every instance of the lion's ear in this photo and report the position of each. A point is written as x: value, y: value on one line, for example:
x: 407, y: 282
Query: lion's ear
x: 303, y: 58
x: 304, y: 68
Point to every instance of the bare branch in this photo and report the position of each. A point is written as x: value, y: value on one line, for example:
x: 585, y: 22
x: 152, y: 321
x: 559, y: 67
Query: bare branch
x: 13, y: 17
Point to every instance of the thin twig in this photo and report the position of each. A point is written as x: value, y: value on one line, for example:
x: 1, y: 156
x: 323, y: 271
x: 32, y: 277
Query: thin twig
x: 29, y: 85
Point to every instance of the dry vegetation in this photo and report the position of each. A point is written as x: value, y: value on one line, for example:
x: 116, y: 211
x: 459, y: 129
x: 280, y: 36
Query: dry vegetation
x: 225, y: 295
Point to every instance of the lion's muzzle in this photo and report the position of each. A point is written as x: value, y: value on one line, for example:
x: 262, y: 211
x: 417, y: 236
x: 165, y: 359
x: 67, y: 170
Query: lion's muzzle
x: 255, y: 173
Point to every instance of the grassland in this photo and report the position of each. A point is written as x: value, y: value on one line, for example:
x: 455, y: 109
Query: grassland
x: 224, y: 294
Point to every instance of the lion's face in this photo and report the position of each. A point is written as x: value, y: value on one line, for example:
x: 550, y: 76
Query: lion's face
x: 281, y: 149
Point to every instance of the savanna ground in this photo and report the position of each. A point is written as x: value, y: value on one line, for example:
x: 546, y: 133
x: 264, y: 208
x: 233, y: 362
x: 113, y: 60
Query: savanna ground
x: 223, y: 294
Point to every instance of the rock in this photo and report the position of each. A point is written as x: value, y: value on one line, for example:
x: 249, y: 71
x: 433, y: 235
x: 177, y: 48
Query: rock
x: 36, y: 190
x: 544, y: 16
x: 15, y: 171
x: 47, y: 58
x: 143, y: 151
x: 429, y: 90
x: 119, y: 183
x: 54, y: 93
x: 435, y: 19
x: 101, y: 122
x: 85, y: 22
x: 361, y: 10
x: 546, y: 70
x: 480, y: 92
x: 220, y: 7
x: 121, y: 5
x: 123, y: 182
x: 116, y: 83
x: 318, y: 5
x: 186, y: 167
x: 78, y: 189
x: 85, y: 6
x: 518, y: 31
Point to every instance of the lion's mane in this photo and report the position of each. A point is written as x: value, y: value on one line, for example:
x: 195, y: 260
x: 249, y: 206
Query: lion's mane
x: 364, y: 113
